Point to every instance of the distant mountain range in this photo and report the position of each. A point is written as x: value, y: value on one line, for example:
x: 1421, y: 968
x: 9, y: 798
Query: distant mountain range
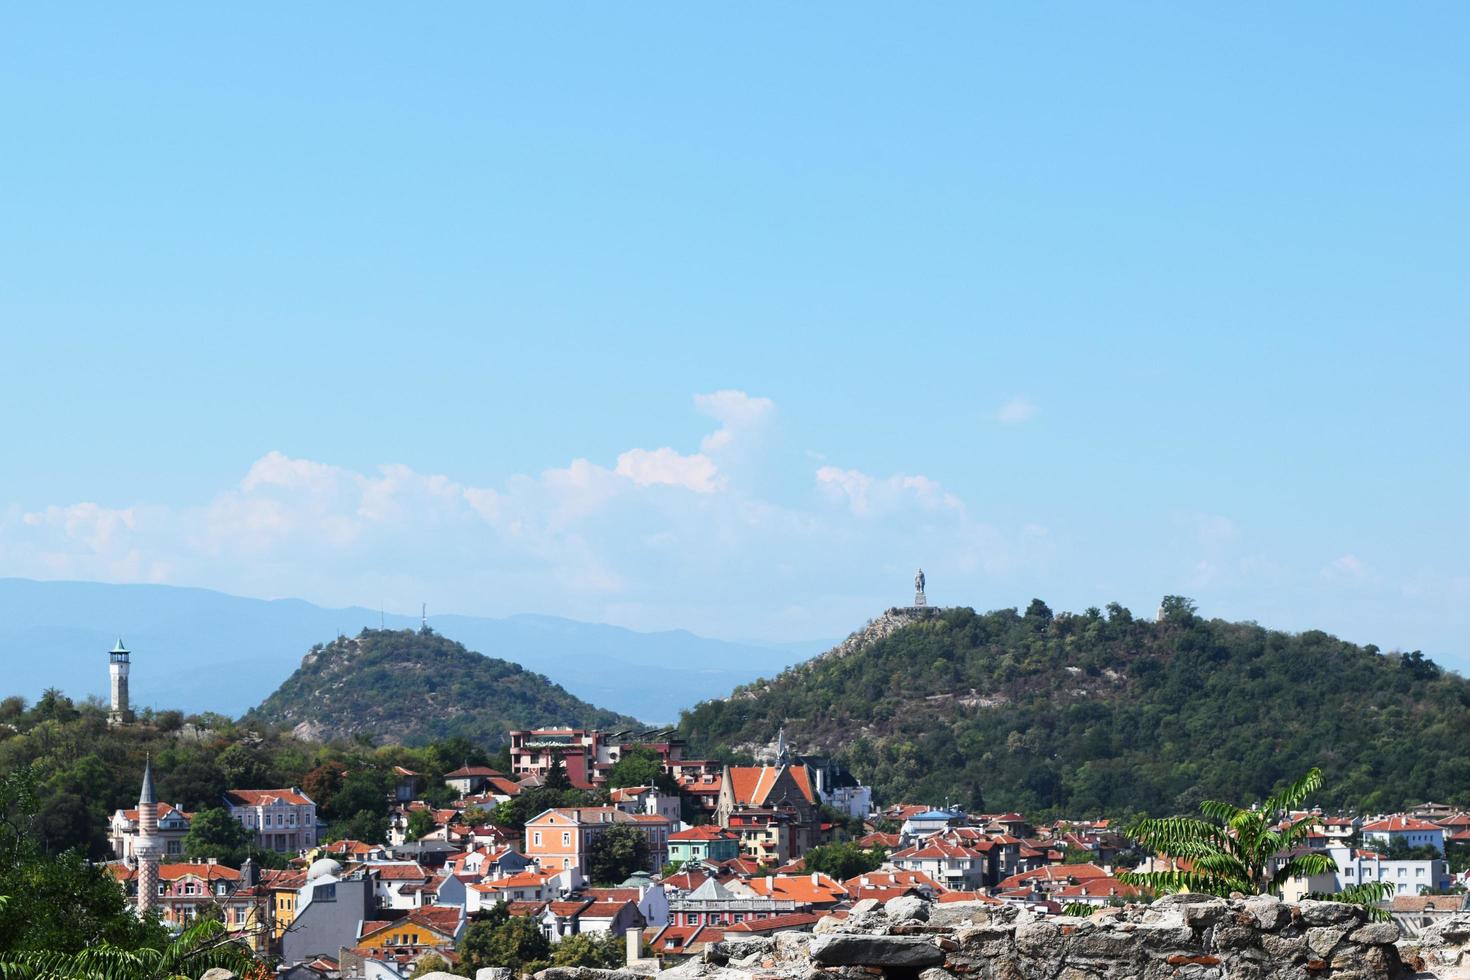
x: 199, y: 650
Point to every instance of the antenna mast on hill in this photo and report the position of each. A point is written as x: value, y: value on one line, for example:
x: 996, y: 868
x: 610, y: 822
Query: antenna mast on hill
x: 424, y: 615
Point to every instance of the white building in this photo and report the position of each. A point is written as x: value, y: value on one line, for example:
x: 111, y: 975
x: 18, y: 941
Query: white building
x: 1357, y: 867
x: 1411, y: 830
x: 283, y: 820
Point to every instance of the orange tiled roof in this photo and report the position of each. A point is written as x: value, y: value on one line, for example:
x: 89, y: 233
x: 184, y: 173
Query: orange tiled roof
x: 265, y: 797
x: 706, y: 832
x: 1399, y: 824
x: 400, y: 872
x: 1097, y: 888
x: 791, y: 920
x: 893, y: 879
x: 799, y: 888
x: 969, y: 897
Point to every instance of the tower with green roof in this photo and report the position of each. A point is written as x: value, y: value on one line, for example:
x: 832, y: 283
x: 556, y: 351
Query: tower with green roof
x: 118, y: 668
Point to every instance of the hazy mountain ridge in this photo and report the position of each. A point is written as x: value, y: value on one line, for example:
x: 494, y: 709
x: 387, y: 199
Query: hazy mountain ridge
x: 200, y: 650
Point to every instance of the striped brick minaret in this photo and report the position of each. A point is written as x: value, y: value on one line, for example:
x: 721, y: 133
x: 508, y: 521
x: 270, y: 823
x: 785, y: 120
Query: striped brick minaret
x: 148, y: 848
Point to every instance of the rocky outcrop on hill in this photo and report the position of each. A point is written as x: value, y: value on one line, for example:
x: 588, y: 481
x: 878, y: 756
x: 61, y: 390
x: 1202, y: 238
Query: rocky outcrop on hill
x: 1197, y: 937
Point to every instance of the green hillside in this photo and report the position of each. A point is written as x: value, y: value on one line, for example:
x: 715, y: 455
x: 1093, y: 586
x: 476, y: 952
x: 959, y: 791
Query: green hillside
x: 411, y: 687
x: 1103, y: 713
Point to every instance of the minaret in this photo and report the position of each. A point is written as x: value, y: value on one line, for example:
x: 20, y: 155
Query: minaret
x: 148, y: 848
x: 121, y: 714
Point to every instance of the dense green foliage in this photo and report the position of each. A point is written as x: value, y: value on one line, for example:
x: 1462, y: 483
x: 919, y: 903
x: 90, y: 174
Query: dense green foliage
x: 414, y: 686
x: 1235, y: 848
x: 616, y: 853
x: 56, y: 903
x: 500, y: 939
x: 202, y: 947
x: 602, y: 951
x: 87, y: 770
x: 843, y: 861
x: 1094, y: 713
x: 214, y: 833
x: 641, y: 767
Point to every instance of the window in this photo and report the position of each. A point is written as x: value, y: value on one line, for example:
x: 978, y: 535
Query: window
x: 566, y: 839
x: 536, y: 838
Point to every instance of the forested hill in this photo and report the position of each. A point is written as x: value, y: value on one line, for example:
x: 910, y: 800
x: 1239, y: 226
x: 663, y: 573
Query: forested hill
x: 1103, y: 713
x: 412, y: 686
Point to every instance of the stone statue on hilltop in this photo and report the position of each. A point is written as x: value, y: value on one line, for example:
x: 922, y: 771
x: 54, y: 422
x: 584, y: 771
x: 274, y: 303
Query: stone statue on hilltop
x: 919, y: 580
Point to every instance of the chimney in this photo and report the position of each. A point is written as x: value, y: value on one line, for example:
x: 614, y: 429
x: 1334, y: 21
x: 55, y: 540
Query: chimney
x: 771, y: 885
x: 816, y: 879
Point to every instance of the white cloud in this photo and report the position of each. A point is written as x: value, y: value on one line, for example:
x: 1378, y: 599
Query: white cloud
x: 865, y: 495
x: 1349, y: 568
x: 664, y: 467
x: 737, y: 413
x: 1015, y: 411
x: 653, y: 539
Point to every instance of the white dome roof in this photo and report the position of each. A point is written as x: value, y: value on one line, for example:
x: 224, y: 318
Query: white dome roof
x: 322, y: 868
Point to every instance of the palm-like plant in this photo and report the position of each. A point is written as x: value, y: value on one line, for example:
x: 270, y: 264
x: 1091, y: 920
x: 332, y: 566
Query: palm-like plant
x: 1234, y: 849
x: 203, y: 946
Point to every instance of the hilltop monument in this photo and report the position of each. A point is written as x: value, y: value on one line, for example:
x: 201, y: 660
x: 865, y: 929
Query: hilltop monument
x: 919, y: 599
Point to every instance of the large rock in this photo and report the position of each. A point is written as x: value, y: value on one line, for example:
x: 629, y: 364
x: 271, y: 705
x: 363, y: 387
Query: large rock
x: 912, y: 952
x: 431, y: 975
x: 1375, y: 933
x: 219, y: 973
x: 494, y: 973
x: 577, y: 973
x: 907, y: 908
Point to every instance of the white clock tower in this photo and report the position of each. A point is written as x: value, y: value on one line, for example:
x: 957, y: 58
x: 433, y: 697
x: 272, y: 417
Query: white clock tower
x: 121, y: 714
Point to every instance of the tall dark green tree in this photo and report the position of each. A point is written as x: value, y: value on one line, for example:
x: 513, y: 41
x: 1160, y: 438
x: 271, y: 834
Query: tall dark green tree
x: 616, y: 853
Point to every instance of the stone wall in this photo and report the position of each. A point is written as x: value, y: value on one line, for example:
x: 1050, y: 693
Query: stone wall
x: 1191, y: 937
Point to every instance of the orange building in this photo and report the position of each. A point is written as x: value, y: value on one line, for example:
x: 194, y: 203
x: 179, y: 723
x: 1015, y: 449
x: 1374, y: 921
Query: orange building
x: 560, y: 838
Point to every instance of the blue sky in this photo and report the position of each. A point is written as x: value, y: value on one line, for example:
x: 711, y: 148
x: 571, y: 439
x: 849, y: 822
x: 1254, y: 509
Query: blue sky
x: 725, y: 318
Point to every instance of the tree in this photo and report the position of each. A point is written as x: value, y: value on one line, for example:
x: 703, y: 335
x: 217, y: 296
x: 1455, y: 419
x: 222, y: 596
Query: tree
x: 641, y: 767
x: 1177, y: 609
x: 1234, y: 849
x: 556, y: 775
x: 843, y: 861
x: 204, y: 946
x: 603, y: 952
x: 1038, y: 613
x: 512, y: 942
x: 429, y: 963
x: 364, y: 826
x: 616, y: 853
x: 420, y: 822
x: 59, y: 903
x: 322, y: 785
x: 243, y: 767
x: 215, y: 833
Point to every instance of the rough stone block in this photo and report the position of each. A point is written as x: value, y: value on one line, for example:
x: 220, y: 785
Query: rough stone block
x: 884, y: 951
x: 907, y: 908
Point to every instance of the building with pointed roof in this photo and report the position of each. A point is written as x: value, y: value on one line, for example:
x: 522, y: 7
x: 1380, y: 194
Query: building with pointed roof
x: 755, y: 799
x: 148, y: 847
